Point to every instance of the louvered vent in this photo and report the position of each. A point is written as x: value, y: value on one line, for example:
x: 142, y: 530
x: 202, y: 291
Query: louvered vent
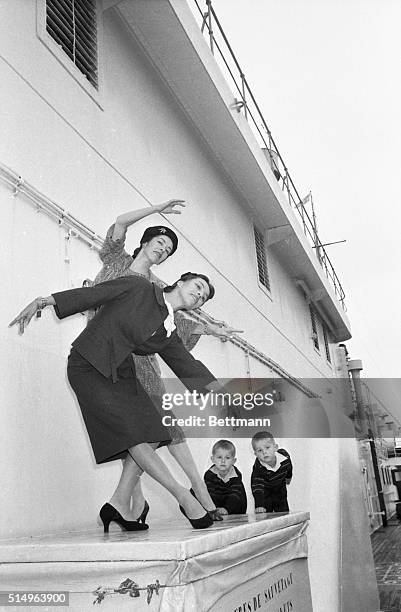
x: 326, y: 343
x: 313, y: 319
x: 72, y: 24
x: 261, y: 258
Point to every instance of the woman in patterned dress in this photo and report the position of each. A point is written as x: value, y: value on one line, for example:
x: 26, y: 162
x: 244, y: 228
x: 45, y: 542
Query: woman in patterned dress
x: 156, y: 245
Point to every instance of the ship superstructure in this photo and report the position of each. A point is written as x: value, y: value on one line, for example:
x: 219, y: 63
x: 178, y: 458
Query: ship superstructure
x: 119, y: 105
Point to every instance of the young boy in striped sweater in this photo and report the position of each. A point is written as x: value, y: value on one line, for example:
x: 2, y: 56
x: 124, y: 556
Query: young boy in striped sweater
x: 224, y: 480
x: 272, y: 472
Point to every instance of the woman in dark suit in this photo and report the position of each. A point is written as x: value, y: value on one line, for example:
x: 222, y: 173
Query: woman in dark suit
x: 136, y: 316
x: 156, y: 245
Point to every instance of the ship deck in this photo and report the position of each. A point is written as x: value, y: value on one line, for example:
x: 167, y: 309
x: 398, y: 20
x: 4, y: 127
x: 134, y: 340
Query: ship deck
x: 386, y: 545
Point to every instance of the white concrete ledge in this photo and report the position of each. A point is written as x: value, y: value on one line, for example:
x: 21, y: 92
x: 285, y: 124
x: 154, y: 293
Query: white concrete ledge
x: 172, y: 540
x: 241, y: 561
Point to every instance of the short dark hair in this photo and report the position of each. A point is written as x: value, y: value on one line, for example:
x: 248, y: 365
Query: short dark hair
x: 261, y: 435
x: 224, y: 445
x: 188, y: 276
x: 157, y: 230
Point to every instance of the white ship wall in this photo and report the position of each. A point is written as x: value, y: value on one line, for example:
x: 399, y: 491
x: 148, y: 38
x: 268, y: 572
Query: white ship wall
x: 95, y: 162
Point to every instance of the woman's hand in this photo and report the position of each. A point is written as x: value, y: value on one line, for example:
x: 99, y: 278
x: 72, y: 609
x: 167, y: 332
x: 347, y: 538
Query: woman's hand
x: 221, y: 330
x: 35, y: 307
x: 168, y: 208
x: 260, y: 509
x: 126, y: 219
x: 26, y: 315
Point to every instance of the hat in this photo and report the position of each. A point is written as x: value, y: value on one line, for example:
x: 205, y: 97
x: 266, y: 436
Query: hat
x: 160, y: 230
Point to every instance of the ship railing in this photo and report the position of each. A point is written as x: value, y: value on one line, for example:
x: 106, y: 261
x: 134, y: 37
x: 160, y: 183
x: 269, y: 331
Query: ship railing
x: 74, y: 228
x: 246, y: 103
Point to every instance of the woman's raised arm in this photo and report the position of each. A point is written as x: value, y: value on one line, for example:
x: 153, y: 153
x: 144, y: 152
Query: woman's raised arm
x: 126, y: 219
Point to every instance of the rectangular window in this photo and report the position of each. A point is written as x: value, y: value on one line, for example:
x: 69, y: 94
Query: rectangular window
x: 72, y: 25
x: 313, y: 319
x: 326, y: 343
x: 260, y: 246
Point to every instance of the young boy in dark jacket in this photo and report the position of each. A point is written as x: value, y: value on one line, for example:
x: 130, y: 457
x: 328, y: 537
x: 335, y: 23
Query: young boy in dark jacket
x: 272, y: 472
x: 224, y: 480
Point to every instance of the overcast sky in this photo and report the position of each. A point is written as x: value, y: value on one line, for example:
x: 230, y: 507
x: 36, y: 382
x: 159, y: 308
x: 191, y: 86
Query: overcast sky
x: 326, y: 74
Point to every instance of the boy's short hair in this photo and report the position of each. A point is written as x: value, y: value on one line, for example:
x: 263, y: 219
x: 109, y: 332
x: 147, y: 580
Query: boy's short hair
x: 225, y: 445
x: 261, y: 435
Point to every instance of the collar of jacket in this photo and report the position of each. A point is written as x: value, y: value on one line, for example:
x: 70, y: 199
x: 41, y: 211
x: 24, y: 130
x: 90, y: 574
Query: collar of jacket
x: 159, y: 296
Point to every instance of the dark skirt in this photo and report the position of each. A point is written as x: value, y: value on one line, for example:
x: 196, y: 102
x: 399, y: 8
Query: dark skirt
x: 117, y: 415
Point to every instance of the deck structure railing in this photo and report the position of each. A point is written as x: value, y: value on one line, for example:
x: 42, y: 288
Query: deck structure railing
x: 74, y: 228
x: 246, y: 103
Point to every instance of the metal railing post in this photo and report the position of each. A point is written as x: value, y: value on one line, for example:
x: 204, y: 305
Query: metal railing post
x: 210, y: 25
x: 243, y: 81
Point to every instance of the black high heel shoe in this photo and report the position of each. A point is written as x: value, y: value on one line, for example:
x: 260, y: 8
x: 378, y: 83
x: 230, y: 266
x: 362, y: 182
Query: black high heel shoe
x: 214, y: 514
x: 108, y: 513
x: 201, y: 523
x: 142, y: 517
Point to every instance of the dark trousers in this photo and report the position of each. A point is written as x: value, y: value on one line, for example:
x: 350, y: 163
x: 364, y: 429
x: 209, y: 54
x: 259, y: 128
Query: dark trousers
x: 230, y: 502
x: 276, y: 500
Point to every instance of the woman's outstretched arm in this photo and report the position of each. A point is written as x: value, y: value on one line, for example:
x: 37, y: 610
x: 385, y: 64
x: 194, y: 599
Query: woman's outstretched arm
x: 190, y: 331
x: 219, y: 329
x: 72, y: 301
x: 126, y: 219
x: 35, y: 307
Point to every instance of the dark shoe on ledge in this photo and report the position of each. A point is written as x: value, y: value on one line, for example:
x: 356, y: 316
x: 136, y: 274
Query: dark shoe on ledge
x: 142, y: 517
x: 215, y: 515
x: 108, y: 513
x: 201, y: 523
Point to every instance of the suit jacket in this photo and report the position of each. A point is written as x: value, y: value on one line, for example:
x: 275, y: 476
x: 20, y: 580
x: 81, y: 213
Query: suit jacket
x: 133, y: 309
